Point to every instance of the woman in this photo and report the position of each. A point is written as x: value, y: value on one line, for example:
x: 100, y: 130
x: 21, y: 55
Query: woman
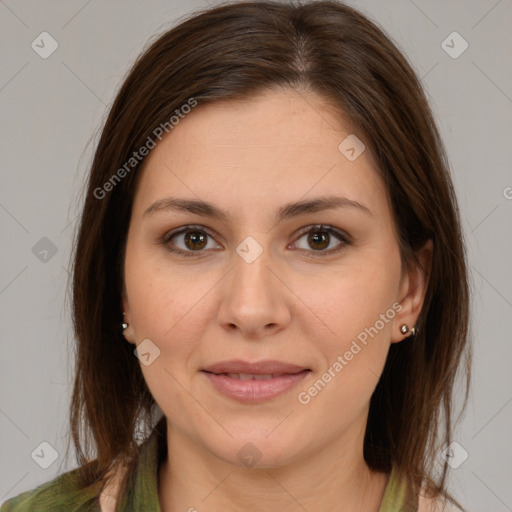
x: 270, y: 288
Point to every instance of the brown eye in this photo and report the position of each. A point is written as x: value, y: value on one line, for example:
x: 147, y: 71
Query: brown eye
x: 195, y: 240
x: 188, y: 240
x: 319, y: 238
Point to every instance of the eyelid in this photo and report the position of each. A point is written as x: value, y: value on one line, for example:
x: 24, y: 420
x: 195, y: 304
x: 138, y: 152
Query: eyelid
x: 343, y: 237
x: 325, y: 227
x: 183, y: 229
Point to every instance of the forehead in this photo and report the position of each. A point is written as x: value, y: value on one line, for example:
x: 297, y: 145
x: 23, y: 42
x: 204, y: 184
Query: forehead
x: 272, y: 148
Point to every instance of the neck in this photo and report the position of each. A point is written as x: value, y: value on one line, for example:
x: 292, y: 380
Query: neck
x: 336, y: 478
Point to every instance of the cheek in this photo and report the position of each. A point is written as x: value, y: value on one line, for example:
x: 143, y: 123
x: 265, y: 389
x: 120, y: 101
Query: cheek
x: 356, y: 309
x: 161, y: 305
x: 349, y: 301
x: 160, y: 296
x: 353, y: 353
x: 170, y: 307
x: 164, y: 313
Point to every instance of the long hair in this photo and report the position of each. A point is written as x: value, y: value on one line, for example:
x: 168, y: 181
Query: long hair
x: 234, y: 51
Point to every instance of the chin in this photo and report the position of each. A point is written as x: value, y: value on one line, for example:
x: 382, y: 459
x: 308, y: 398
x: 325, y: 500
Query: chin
x: 261, y: 451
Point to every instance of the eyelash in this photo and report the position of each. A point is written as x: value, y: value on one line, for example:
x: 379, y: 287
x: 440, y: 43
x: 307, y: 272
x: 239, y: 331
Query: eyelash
x: 344, y: 239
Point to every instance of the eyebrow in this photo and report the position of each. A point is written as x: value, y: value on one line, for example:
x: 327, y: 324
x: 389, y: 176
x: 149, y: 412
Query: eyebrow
x: 287, y: 211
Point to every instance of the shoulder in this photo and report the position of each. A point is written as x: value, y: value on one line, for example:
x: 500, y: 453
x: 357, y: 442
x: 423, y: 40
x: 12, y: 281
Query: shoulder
x: 110, y: 493
x: 435, y: 505
x: 62, y: 494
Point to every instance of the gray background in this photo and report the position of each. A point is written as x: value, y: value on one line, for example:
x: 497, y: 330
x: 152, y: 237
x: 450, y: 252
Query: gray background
x: 52, y: 110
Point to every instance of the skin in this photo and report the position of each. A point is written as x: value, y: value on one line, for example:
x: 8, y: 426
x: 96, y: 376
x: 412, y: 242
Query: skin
x: 249, y: 158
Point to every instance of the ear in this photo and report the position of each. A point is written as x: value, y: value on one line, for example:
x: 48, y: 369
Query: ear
x: 129, y: 332
x: 412, y: 292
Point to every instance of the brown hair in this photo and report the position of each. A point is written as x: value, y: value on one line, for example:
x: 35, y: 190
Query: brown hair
x: 235, y: 51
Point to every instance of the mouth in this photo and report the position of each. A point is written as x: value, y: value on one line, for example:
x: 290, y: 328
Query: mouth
x: 253, y: 376
x: 254, y: 382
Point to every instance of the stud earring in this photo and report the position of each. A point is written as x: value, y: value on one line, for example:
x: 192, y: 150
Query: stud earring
x: 124, y: 325
x: 404, y: 329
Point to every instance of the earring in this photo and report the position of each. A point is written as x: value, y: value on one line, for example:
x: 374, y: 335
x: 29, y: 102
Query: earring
x: 404, y: 329
x: 124, y: 325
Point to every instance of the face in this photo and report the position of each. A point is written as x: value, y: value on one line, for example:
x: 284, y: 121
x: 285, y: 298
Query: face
x: 317, y: 287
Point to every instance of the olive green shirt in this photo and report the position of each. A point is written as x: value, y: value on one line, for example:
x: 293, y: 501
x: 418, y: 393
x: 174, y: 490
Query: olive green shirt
x: 63, y: 494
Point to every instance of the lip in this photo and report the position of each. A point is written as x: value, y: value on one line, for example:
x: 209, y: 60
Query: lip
x: 285, y: 376
x: 268, y: 366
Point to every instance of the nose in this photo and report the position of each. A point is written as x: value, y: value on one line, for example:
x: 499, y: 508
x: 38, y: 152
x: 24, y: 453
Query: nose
x: 255, y: 298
